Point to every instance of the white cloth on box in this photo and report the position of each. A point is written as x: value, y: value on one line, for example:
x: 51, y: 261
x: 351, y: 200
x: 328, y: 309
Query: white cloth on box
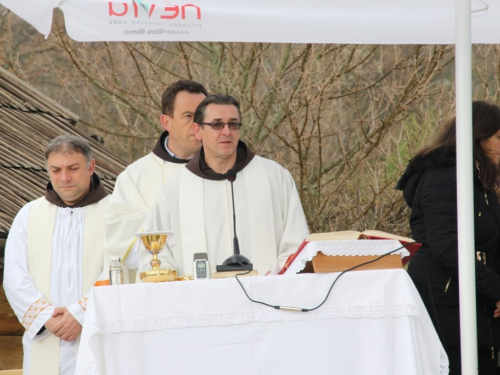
x: 344, y: 248
x: 134, y: 193
x: 270, y: 221
x: 374, y: 322
x: 48, y: 264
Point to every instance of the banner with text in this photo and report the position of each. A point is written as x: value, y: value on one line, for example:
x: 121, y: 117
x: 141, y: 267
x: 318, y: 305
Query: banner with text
x: 295, y: 21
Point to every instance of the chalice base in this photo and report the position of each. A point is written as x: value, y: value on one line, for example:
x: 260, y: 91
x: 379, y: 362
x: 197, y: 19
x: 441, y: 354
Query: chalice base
x: 156, y: 276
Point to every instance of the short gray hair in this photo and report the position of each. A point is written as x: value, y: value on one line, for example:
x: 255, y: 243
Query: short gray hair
x: 69, y: 143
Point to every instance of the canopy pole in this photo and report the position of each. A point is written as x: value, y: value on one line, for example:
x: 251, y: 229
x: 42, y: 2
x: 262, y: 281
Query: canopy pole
x: 465, y: 201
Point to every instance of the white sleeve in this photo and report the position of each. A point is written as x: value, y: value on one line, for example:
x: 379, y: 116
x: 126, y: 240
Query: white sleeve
x: 29, y: 304
x: 78, y: 309
x: 125, y: 215
x: 295, y: 225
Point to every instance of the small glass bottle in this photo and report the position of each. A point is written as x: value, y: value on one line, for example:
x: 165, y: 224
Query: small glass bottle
x: 115, y: 271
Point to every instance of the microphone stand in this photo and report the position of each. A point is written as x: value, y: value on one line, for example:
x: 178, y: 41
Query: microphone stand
x: 235, y: 262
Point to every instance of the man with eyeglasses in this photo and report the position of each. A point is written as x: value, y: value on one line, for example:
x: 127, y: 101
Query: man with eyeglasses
x: 137, y: 186
x: 196, y: 202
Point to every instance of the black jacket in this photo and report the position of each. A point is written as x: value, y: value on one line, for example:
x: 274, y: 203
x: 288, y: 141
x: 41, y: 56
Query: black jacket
x: 429, y: 187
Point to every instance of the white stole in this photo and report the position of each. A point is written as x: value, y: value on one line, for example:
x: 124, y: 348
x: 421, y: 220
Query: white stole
x: 262, y: 219
x: 41, y: 224
x: 192, y: 215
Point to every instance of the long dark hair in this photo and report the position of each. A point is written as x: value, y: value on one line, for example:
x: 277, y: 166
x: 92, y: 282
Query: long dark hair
x: 485, y: 123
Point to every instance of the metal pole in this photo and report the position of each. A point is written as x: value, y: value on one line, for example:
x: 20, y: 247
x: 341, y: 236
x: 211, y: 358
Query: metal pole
x: 465, y: 201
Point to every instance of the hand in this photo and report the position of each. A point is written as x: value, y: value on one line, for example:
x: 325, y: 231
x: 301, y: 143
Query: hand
x: 496, y: 314
x: 53, y: 324
x: 66, y: 327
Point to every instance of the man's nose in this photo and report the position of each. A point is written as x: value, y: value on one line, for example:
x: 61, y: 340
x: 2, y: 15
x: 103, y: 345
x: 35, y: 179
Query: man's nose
x: 65, y: 175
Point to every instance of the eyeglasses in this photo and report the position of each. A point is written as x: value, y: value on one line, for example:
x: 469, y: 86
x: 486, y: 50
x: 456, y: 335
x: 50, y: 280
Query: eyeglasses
x: 219, y: 125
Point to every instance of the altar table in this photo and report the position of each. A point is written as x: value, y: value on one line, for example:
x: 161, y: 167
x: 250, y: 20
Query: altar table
x: 373, y: 323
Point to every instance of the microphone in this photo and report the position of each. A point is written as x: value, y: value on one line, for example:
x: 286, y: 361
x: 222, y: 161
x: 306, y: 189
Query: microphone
x: 231, y: 176
x: 235, y: 262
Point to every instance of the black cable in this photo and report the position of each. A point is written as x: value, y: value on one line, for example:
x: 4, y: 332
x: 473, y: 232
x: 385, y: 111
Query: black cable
x: 244, y: 291
x: 302, y: 309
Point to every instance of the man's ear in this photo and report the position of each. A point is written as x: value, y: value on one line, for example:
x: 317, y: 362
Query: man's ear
x: 197, y: 131
x: 91, y: 167
x: 165, y: 122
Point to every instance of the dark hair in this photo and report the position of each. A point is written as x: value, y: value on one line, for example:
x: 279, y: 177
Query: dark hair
x: 170, y: 93
x: 69, y: 143
x: 485, y: 123
x: 219, y: 99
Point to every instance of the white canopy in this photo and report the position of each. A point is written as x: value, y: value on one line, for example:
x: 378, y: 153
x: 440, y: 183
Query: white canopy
x: 281, y: 21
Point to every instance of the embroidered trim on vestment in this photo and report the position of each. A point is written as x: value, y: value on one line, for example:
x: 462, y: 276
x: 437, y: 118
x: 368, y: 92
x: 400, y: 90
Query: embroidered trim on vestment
x: 33, y: 312
x: 83, y: 303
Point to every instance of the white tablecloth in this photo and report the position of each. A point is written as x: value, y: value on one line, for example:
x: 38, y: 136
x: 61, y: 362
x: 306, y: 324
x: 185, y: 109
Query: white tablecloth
x: 373, y: 322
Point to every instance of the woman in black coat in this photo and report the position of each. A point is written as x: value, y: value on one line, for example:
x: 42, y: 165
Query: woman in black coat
x: 429, y: 187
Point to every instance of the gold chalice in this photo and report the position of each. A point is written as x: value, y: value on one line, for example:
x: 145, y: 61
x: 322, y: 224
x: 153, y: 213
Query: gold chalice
x: 154, y: 242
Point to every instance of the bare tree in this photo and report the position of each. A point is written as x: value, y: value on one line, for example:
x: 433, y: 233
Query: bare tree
x: 344, y: 119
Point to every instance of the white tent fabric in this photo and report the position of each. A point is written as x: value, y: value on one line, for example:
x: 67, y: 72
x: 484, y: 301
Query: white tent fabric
x: 280, y: 21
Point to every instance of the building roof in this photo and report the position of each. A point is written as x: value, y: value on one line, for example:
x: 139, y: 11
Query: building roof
x: 29, y: 120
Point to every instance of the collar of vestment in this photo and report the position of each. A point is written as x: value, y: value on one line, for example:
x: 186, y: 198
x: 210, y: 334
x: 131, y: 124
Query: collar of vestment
x: 163, y: 154
x: 96, y: 193
x: 199, y: 167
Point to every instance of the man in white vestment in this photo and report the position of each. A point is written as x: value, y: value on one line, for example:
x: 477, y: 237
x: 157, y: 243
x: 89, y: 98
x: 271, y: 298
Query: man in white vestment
x: 53, y: 256
x: 196, y: 202
x: 137, y: 186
